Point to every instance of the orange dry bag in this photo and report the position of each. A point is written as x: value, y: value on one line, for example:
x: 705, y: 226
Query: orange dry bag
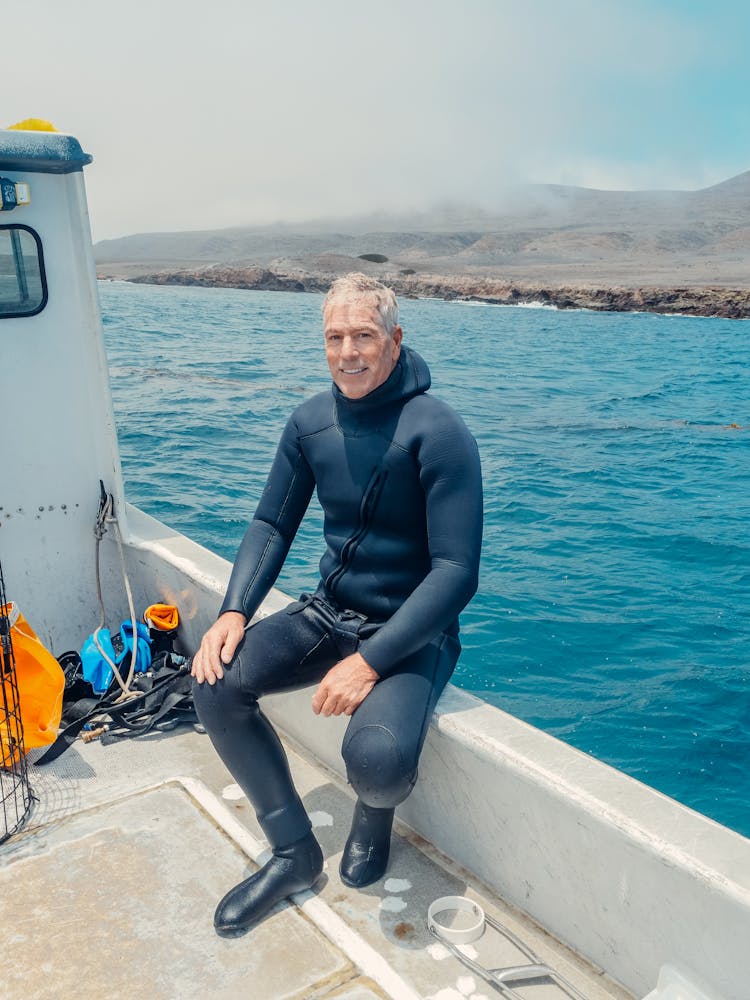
x: 164, y: 617
x: 40, y: 681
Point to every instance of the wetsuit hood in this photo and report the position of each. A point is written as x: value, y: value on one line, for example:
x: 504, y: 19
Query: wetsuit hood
x: 410, y: 377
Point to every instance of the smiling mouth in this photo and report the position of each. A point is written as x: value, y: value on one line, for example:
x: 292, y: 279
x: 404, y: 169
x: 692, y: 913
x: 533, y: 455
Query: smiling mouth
x: 353, y: 371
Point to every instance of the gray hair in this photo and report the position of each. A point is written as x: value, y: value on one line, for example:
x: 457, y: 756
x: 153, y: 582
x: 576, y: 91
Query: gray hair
x: 361, y: 286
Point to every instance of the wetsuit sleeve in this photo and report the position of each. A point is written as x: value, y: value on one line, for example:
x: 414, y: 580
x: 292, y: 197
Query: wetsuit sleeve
x: 451, y: 477
x: 271, y: 532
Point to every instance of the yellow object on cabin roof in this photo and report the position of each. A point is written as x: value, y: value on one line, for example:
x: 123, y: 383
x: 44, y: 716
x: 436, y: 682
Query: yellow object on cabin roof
x: 34, y: 125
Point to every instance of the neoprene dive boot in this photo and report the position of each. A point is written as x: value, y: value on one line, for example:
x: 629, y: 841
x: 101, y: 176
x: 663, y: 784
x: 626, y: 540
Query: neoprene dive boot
x: 289, y: 869
x: 365, y: 856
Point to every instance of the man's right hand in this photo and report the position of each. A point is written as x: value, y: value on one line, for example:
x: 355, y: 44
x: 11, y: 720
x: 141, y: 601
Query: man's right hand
x: 218, y: 646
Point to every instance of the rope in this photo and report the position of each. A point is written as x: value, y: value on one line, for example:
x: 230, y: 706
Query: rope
x: 106, y: 516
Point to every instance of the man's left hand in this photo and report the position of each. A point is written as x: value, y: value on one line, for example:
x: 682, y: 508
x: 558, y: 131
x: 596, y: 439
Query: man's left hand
x: 345, y: 686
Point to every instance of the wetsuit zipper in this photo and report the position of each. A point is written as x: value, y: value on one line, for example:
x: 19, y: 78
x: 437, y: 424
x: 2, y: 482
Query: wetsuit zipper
x: 367, y: 507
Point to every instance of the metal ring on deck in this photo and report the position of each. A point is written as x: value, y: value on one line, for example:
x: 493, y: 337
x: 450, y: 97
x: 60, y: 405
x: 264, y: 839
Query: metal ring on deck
x: 456, y: 935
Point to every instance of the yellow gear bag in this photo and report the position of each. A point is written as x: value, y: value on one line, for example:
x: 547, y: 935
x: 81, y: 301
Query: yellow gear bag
x: 40, y: 680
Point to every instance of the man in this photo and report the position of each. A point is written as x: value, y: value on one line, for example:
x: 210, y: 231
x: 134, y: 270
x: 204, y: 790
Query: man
x: 398, y: 477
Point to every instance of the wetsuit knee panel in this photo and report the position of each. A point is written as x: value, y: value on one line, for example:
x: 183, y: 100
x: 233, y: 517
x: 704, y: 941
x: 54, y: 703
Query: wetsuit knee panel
x: 216, y: 701
x: 375, y: 767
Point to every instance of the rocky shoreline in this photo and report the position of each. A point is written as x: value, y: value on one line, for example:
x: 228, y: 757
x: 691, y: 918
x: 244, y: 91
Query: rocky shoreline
x: 730, y: 303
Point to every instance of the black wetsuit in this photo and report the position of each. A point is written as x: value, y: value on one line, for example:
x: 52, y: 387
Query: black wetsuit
x: 398, y: 477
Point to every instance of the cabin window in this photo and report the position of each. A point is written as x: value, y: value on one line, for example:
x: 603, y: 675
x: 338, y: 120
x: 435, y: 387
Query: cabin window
x: 23, y: 285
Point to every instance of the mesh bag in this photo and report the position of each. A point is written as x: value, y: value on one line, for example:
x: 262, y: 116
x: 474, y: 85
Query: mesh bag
x: 16, y: 796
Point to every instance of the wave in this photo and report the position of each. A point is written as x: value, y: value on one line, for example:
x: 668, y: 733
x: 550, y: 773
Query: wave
x: 533, y: 304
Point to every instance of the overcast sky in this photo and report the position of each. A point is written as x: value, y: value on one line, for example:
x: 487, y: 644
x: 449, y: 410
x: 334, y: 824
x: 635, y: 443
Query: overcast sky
x: 235, y: 112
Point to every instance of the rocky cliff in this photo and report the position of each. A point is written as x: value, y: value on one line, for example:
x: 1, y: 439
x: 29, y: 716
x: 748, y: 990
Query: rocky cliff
x: 690, y: 301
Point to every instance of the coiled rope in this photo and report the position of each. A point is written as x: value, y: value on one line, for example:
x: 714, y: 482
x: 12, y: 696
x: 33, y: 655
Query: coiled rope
x: 106, y: 516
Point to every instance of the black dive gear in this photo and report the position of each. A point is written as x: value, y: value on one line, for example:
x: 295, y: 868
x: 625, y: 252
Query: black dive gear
x: 295, y: 648
x: 397, y: 474
x: 290, y: 869
x: 365, y: 856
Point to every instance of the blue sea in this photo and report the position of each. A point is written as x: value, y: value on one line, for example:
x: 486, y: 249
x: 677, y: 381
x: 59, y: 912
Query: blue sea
x: 614, y: 604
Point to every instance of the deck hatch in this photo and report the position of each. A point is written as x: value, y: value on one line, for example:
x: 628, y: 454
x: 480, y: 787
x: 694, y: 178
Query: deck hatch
x: 118, y: 900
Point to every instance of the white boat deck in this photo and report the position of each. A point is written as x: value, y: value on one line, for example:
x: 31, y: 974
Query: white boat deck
x: 110, y: 889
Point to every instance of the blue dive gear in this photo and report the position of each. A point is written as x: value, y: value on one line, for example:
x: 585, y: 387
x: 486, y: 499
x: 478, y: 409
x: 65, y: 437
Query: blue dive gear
x: 97, y: 671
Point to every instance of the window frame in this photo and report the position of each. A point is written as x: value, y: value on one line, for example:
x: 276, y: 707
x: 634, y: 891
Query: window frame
x: 42, y: 272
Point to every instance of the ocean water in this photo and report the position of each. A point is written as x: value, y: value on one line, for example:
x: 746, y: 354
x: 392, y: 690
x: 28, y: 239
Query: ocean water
x: 614, y: 604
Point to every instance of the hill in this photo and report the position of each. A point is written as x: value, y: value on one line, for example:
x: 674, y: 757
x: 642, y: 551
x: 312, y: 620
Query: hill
x: 550, y: 235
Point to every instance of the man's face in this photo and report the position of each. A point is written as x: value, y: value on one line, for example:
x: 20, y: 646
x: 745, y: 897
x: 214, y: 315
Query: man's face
x: 359, y: 352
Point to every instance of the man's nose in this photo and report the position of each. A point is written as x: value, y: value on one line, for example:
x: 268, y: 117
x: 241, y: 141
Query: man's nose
x: 348, y: 347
